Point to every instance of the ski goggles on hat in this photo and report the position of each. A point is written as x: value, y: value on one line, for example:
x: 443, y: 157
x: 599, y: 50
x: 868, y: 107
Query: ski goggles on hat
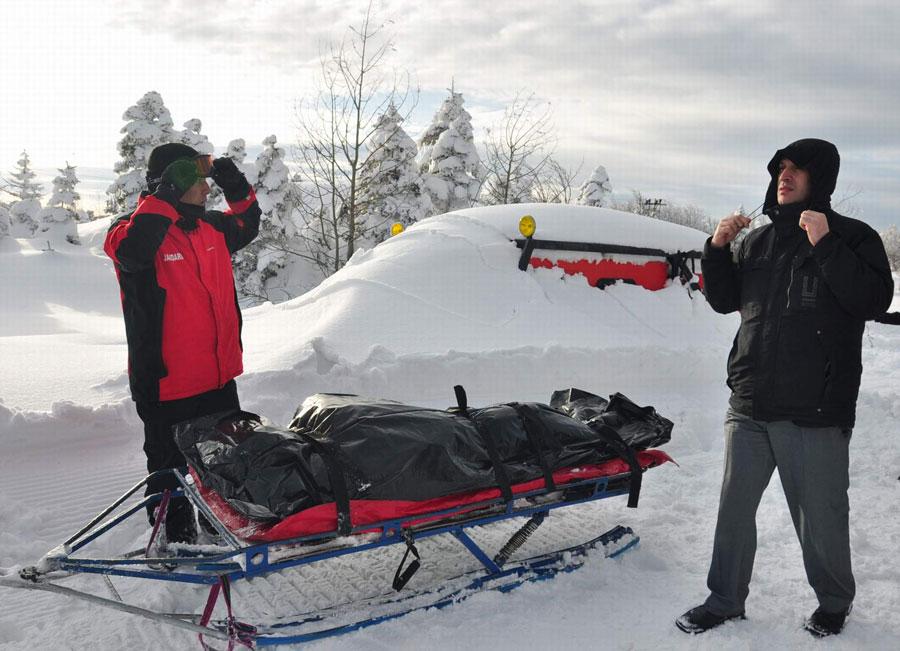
x: 204, y: 164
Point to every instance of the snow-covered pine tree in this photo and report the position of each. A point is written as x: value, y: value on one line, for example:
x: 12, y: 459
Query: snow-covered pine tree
x: 237, y: 151
x: 392, y: 190
x: 192, y: 137
x: 261, y: 260
x: 596, y: 190
x: 449, y: 110
x: 147, y: 124
x: 447, y: 158
x: 59, y: 218
x: 21, y: 183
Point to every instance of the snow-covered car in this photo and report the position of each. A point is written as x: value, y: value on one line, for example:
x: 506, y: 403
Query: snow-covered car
x: 603, y: 245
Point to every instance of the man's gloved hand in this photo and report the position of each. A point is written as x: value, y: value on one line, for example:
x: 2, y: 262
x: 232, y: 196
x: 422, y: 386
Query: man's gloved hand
x: 232, y: 181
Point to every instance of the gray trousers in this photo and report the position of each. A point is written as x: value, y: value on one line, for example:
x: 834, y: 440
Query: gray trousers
x: 813, y: 465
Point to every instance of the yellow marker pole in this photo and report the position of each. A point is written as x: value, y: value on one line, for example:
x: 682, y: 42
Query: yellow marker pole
x: 527, y: 228
x: 396, y: 228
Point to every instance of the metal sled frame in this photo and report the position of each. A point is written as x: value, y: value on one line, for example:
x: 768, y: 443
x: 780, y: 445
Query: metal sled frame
x: 243, y: 561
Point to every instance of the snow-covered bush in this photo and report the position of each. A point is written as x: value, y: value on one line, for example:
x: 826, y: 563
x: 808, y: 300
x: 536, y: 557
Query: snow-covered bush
x: 392, y: 189
x: 24, y: 217
x: 596, y: 190
x: 447, y: 158
x: 58, y: 225
x: 4, y: 222
x: 148, y: 124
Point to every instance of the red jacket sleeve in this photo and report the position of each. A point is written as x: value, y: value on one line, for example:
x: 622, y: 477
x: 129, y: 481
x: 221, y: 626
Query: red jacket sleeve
x: 133, y: 240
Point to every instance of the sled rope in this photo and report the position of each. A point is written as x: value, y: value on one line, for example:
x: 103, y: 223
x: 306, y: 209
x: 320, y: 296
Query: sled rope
x: 159, y: 517
x: 238, y: 632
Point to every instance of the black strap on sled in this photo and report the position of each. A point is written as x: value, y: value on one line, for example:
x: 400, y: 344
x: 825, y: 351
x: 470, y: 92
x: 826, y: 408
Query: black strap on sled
x: 678, y: 267
x: 401, y: 576
x: 538, y: 435
x: 626, y: 453
x: 336, y: 479
x: 499, y: 469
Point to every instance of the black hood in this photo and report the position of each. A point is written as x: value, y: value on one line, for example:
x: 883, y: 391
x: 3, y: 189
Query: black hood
x: 818, y: 157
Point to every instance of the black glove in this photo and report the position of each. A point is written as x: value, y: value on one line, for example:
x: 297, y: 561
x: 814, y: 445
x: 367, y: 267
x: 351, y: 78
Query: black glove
x: 227, y: 176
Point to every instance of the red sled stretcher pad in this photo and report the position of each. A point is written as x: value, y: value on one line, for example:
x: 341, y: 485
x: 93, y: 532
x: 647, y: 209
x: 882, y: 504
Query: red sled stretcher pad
x: 323, y: 518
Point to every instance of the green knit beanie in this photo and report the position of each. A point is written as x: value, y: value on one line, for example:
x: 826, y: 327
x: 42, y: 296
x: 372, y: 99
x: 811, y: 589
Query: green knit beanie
x: 182, y: 173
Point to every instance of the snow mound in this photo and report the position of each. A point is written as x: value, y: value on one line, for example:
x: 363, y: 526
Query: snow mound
x: 451, y: 283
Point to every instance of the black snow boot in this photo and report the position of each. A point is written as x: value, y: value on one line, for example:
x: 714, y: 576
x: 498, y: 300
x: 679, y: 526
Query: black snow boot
x: 823, y: 624
x: 181, y: 525
x: 206, y: 525
x: 701, y: 619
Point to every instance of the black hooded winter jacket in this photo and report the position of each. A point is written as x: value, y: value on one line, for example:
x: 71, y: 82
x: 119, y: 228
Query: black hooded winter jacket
x: 797, y: 354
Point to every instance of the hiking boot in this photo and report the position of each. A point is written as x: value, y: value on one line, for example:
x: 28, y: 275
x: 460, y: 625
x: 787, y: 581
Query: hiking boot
x: 181, y: 526
x: 701, y: 619
x: 206, y: 525
x: 823, y: 624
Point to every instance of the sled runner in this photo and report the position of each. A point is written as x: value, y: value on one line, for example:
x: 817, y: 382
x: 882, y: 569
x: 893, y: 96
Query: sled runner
x: 244, y: 549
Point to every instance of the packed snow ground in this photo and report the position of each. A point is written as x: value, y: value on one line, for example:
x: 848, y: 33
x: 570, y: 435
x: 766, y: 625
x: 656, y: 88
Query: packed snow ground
x: 442, y: 304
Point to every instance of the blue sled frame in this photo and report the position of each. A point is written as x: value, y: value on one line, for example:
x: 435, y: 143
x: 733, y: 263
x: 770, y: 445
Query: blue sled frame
x: 234, y: 560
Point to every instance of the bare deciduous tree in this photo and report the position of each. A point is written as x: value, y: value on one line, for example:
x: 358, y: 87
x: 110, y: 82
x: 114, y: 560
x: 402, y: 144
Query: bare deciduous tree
x: 845, y: 202
x: 335, y: 127
x: 555, y: 183
x: 891, y: 239
x: 517, y: 150
x: 688, y: 215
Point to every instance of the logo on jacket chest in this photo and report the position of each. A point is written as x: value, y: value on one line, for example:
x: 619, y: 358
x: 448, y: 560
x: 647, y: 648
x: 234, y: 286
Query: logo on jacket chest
x: 809, y: 290
x: 172, y: 257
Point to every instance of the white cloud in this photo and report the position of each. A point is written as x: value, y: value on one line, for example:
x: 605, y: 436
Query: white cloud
x: 685, y: 97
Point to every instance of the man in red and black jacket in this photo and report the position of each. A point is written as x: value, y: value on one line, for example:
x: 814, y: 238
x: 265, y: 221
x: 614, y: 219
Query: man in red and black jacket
x: 182, y: 320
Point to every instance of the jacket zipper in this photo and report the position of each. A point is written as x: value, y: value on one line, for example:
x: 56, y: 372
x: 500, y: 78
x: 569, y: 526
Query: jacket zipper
x: 212, y: 307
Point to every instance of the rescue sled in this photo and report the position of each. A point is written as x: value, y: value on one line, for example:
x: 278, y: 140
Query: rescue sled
x: 243, y: 549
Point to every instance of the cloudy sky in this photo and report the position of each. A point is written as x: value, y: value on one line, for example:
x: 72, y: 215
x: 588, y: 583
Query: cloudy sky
x: 684, y: 100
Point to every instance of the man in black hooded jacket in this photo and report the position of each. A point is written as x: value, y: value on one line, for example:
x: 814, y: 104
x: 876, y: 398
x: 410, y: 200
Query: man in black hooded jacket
x: 805, y: 286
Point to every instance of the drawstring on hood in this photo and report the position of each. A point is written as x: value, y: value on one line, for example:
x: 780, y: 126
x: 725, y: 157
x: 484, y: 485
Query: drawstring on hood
x: 821, y: 161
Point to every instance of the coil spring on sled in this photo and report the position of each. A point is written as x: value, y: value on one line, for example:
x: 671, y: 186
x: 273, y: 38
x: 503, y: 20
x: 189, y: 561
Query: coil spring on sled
x: 518, y: 538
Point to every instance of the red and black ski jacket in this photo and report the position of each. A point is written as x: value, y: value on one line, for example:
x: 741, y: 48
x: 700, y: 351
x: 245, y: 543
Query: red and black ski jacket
x: 182, y: 319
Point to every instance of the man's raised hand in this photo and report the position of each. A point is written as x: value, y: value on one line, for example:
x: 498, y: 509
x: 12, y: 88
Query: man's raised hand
x: 815, y: 224
x: 728, y: 229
